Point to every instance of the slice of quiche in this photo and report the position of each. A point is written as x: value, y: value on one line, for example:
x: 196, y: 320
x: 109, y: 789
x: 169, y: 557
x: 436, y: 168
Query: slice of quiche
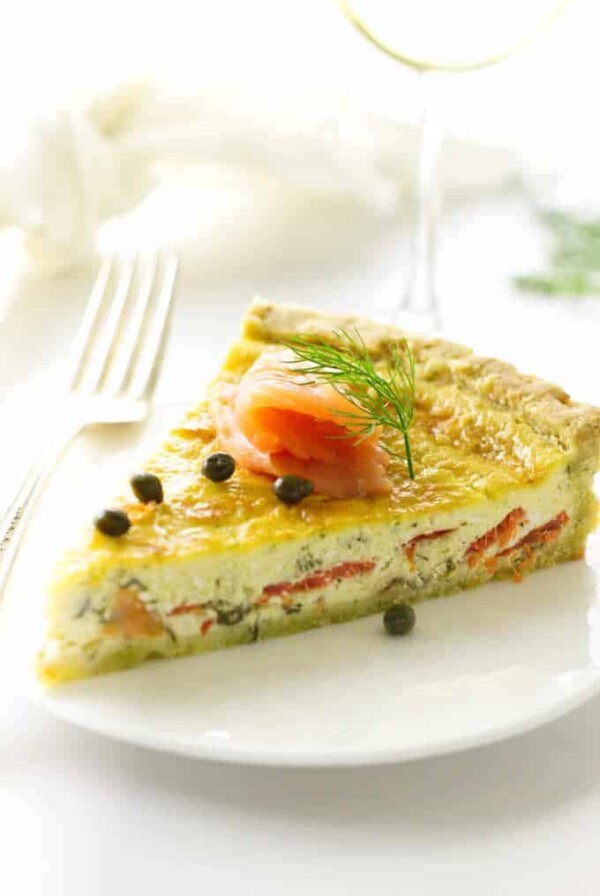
x: 503, y: 484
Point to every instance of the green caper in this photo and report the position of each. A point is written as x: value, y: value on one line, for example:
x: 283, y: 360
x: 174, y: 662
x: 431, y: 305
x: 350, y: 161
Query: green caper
x: 399, y: 619
x: 112, y: 522
x: 292, y: 489
x: 218, y: 467
x: 147, y: 487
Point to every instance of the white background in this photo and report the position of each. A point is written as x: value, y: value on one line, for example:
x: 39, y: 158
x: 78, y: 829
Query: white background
x: 79, y: 814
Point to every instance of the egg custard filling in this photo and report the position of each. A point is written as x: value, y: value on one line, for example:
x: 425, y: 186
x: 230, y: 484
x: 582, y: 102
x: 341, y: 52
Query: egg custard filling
x: 503, y: 473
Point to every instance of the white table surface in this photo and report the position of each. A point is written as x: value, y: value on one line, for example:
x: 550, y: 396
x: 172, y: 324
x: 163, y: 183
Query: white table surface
x: 83, y: 815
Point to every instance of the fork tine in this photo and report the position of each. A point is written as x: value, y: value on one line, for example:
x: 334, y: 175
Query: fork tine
x: 117, y: 374
x: 93, y: 373
x: 150, y: 351
x: 81, y: 345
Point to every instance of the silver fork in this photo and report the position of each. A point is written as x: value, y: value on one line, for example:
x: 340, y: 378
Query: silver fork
x: 116, y: 358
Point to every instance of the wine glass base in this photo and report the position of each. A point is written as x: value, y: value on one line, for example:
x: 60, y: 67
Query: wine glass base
x: 418, y: 322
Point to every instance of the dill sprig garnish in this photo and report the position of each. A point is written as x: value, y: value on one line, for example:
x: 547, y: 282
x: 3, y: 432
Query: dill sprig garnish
x: 573, y: 267
x: 384, y: 399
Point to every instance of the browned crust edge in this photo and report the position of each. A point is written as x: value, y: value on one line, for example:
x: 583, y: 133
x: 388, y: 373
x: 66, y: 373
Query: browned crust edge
x: 547, y: 408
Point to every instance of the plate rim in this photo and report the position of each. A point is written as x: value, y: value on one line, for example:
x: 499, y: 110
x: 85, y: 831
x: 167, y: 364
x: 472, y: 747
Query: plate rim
x: 343, y: 758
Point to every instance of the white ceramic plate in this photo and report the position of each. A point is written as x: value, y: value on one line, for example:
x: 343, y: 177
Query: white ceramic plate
x: 479, y: 667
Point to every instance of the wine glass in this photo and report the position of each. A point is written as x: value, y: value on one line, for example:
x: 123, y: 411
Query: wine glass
x: 423, y: 35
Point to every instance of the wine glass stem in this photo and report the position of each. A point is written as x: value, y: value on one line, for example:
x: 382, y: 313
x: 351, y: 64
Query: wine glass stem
x: 421, y: 295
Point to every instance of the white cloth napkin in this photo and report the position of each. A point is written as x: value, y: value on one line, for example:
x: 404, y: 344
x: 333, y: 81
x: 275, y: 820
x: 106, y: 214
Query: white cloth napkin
x: 82, y: 166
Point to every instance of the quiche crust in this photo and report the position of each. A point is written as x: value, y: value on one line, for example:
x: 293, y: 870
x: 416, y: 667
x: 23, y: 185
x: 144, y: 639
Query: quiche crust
x: 547, y: 408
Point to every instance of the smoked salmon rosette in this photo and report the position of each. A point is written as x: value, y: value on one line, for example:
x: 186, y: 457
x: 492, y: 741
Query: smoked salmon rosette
x: 276, y: 420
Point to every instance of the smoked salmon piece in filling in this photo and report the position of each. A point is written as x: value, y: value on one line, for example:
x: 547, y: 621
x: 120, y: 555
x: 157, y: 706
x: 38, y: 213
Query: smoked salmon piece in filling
x: 499, y: 536
x: 275, y: 422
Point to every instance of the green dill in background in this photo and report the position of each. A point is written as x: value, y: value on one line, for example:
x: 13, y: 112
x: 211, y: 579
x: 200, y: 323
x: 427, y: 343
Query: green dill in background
x: 387, y: 400
x: 574, y: 263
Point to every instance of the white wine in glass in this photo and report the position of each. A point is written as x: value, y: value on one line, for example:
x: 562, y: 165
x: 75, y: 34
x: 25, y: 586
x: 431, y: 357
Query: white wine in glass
x: 442, y: 36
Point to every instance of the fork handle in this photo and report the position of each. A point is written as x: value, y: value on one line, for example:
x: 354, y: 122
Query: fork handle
x: 14, y: 521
